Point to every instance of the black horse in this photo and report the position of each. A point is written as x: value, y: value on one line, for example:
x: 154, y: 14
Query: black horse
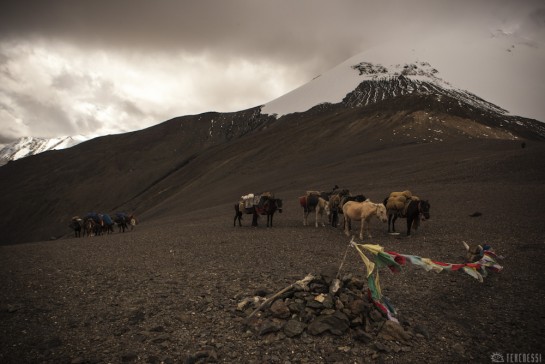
x: 268, y: 207
x: 122, y: 220
x: 412, y: 213
x: 77, y: 225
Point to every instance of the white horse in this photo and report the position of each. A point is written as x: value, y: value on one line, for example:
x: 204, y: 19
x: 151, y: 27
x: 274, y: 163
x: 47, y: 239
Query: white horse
x: 312, y: 203
x: 362, y: 211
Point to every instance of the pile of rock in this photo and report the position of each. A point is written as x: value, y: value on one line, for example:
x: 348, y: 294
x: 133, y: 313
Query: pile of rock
x: 321, y: 306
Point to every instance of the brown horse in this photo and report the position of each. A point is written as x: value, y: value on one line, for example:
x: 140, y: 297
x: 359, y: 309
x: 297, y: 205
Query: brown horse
x: 89, y: 227
x: 363, y: 211
x: 311, y: 203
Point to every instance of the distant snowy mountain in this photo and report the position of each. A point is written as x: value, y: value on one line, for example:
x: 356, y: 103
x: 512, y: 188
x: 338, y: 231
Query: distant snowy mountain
x: 500, y: 68
x: 27, y: 146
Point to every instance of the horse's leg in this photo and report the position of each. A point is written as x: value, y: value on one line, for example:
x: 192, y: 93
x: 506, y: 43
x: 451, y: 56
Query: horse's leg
x: 389, y: 221
x: 346, y: 223
x: 305, y: 217
x: 409, y: 224
x: 394, y: 223
x: 238, y: 215
x: 254, y: 218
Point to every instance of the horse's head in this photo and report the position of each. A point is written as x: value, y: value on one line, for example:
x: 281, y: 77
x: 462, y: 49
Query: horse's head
x: 473, y: 254
x: 382, y: 215
x: 424, y: 208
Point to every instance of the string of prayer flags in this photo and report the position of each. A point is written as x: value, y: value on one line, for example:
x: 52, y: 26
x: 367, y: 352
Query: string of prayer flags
x: 394, y: 261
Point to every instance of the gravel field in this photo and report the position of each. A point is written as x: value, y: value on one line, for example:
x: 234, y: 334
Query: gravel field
x: 167, y: 292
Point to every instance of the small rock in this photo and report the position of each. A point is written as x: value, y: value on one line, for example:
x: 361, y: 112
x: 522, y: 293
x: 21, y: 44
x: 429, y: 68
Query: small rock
x: 337, y: 324
x: 269, y: 326
x: 280, y: 309
x: 294, y: 328
x: 393, y: 331
x: 128, y: 357
x: 419, y: 329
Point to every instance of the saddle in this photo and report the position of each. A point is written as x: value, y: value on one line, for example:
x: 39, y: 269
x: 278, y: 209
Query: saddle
x: 309, y: 202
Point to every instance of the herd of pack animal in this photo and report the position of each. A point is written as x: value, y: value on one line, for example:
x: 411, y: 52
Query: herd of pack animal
x: 356, y: 208
x: 340, y: 202
x: 93, y: 224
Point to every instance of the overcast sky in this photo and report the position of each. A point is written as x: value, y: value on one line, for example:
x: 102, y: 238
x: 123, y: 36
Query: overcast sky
x: 105, y: 66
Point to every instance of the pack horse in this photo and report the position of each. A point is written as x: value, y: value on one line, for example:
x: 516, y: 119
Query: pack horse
x: 314, y: 202
x: 255, y: 205
x: 406, y: 205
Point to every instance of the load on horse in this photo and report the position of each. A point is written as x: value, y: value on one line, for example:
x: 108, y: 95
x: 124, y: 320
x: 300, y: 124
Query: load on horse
x: 406, y: 205
x: 257, y: 204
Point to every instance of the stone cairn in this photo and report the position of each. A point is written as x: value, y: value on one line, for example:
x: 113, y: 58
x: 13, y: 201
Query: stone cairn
x: 318, y: 305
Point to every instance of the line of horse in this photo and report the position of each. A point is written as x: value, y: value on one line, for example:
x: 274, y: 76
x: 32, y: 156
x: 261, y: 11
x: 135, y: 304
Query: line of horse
x: 341, y: 202
x: 94, y: 224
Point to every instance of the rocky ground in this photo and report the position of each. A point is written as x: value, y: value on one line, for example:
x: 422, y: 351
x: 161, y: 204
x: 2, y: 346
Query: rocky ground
x: 169, y: 292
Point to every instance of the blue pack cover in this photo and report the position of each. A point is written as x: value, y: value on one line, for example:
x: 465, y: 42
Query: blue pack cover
x: 107, y: 219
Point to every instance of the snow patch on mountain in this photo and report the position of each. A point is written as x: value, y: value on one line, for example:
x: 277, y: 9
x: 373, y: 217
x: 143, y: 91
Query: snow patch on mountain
x: 363, y: 83
x: 28, y: 146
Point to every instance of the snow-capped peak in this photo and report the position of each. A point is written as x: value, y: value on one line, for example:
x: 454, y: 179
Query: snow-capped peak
x: 334, y: 85
x: 27, y: 146
x: 499, y: 67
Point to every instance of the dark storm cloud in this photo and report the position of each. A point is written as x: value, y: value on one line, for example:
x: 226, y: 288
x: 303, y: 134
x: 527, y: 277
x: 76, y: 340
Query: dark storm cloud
x: 282, y: 30
x: 279, y: 30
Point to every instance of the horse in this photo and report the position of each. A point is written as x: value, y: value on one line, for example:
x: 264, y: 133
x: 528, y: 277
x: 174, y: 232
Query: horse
x: 267, y: 206
x: 414, y: 211
x: 89, y: 226
x: 337, y: 201
x: 362, y: 211
x: 76, y: 224
x: 133, y: 221
x: 108, y: 224
x: 335, y: 205
x: 315, y: 203
x: 122, y: 220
